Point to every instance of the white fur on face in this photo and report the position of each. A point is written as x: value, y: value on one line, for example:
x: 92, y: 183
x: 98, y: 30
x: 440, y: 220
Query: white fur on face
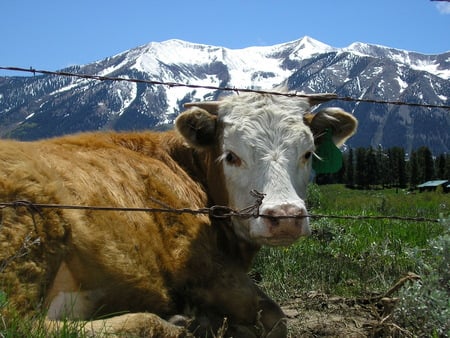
x: 267, y: 148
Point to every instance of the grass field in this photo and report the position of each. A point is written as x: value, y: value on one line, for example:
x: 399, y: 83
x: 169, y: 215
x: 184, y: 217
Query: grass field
x: 354, y: 258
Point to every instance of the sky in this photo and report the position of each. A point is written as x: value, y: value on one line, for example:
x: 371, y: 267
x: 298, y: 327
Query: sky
x: 54, y: 34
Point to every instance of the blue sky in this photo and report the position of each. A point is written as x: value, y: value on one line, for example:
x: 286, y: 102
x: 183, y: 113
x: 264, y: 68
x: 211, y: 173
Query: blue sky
x: 53, y: 34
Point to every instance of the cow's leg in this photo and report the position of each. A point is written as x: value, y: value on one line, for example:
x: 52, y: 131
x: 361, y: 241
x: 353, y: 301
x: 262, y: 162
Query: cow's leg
x: 247, y: 303
x: 249, y: 311
x: 64, y: 298
x: 271, y: 316
x: 67, y: 302
x: 127, y: 325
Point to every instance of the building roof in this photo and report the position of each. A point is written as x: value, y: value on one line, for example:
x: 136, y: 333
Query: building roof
x: 431, y: 184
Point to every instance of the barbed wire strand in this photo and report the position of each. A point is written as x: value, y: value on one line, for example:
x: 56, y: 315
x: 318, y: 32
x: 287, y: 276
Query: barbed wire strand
x: 221, y: 212
x: 233, y: 89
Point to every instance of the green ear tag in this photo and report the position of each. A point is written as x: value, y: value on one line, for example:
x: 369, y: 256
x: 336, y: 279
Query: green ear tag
x: 330, y: 157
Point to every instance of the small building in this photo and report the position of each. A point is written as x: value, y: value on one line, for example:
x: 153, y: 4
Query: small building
x: 433, y: 185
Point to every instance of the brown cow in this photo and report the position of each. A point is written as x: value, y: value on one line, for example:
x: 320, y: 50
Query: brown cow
x: 150, y: 267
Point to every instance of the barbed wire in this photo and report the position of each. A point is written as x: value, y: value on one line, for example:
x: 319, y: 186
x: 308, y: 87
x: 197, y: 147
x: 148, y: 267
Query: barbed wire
x: 233, y: 89
x: 216, y: 211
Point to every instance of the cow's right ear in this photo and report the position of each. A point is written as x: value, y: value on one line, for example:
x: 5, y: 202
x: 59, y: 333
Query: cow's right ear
x: 198, y: 126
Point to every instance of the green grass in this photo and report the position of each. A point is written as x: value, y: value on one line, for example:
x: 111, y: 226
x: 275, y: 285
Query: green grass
x: 354, y: 258
x: 15, y: 325
x: 336, y: 198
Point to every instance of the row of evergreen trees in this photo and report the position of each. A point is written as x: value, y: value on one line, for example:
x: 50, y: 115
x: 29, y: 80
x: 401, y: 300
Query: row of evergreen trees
x: 372, y: 168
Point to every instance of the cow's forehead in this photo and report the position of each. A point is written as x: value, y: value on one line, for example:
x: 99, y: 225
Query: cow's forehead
x: 253, y: 104
x: 265, y: 119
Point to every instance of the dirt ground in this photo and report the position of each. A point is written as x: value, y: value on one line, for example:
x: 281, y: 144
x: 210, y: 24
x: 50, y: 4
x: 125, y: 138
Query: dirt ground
x: 317, y: 315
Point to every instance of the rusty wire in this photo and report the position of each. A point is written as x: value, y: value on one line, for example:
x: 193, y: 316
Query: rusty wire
x: 233, y: 89
x: 216, y: 211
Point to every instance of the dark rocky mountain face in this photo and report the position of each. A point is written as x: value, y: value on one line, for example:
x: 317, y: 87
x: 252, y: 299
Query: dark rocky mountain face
x: 46, y: 106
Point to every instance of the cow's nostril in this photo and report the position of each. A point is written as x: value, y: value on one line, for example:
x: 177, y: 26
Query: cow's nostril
x: 274, y: 221
x: 295, y: 211
x: 272, y: 216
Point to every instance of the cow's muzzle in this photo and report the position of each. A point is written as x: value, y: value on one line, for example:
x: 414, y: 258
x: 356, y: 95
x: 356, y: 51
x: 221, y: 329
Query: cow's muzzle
x: 285, y: 223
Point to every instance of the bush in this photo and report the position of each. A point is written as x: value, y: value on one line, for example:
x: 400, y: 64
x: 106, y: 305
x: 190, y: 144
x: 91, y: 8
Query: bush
x: 425, y: 305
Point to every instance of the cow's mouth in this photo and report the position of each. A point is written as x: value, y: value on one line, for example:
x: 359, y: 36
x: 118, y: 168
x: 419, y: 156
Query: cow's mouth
x: 278, y: 241
x: 281, y: 233
x: 273, y: 230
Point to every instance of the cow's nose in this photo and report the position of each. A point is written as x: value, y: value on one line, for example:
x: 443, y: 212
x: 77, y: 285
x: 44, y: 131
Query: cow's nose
x: 286, y: 218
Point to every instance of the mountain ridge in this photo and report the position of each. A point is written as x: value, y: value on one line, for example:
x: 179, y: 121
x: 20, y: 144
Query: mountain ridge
x: 46, y: 106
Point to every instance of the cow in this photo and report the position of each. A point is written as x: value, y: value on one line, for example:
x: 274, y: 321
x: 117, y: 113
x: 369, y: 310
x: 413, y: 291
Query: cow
x: 161, y: 274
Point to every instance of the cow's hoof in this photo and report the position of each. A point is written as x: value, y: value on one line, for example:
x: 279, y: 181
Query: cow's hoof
x: 241, y: 331
x: 279, y: 330
x: 180, y: 320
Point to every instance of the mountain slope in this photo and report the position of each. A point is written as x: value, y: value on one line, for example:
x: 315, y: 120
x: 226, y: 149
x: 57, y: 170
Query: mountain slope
x: 45, y: 106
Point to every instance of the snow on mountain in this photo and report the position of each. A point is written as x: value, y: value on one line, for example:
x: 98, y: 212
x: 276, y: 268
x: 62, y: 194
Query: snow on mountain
x: 252, y: 67
x: 427, y: 63
x: 43, y: 106
x: 242, y: 64
x: 306, y: 48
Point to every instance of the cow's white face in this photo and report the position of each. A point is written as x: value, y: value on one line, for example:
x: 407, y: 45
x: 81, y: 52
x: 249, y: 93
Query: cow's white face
x: 267, y: 147
x: 266, y: 144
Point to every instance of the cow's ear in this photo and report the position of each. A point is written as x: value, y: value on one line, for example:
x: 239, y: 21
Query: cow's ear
x: 315, y: 99
x: 331, y: 127
x: 197, y: 126
x: 339, y: 123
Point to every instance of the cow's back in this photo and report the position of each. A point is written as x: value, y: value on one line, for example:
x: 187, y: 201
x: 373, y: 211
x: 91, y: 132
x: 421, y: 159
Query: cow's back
x: 132, y: 254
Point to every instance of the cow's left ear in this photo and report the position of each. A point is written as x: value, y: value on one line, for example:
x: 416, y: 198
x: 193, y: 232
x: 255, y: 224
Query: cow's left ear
x: 339, y: 123
x: 198, y: 126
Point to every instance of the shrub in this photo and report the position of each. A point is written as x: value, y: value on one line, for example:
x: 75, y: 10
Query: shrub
x: 313, y: 197
x: 425, y: 305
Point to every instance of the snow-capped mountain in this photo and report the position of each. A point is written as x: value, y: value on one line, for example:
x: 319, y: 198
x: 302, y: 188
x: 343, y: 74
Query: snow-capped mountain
x: 45, y: 106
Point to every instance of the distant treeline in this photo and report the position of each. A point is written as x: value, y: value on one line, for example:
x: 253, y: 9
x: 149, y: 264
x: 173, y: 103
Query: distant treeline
x: 367, y: 168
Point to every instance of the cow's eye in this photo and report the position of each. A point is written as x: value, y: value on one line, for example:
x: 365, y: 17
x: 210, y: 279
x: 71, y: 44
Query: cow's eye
x: 307, y: 155
x: 232, y: 159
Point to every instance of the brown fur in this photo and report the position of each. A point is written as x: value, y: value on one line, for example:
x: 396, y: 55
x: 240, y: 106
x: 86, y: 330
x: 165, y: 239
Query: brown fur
x: 135, y: 262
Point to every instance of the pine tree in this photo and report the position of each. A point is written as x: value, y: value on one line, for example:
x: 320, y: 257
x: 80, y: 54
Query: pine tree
x: 397, y: 165
x: 350, y: 172
x: 426, y: 164
x: 440, y: 166
x: 371, y: 168
x: 402, y: 179
x: 447, y: 167
x: 360, y: 168
x: 384, y: 169
x: 414, y: 178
